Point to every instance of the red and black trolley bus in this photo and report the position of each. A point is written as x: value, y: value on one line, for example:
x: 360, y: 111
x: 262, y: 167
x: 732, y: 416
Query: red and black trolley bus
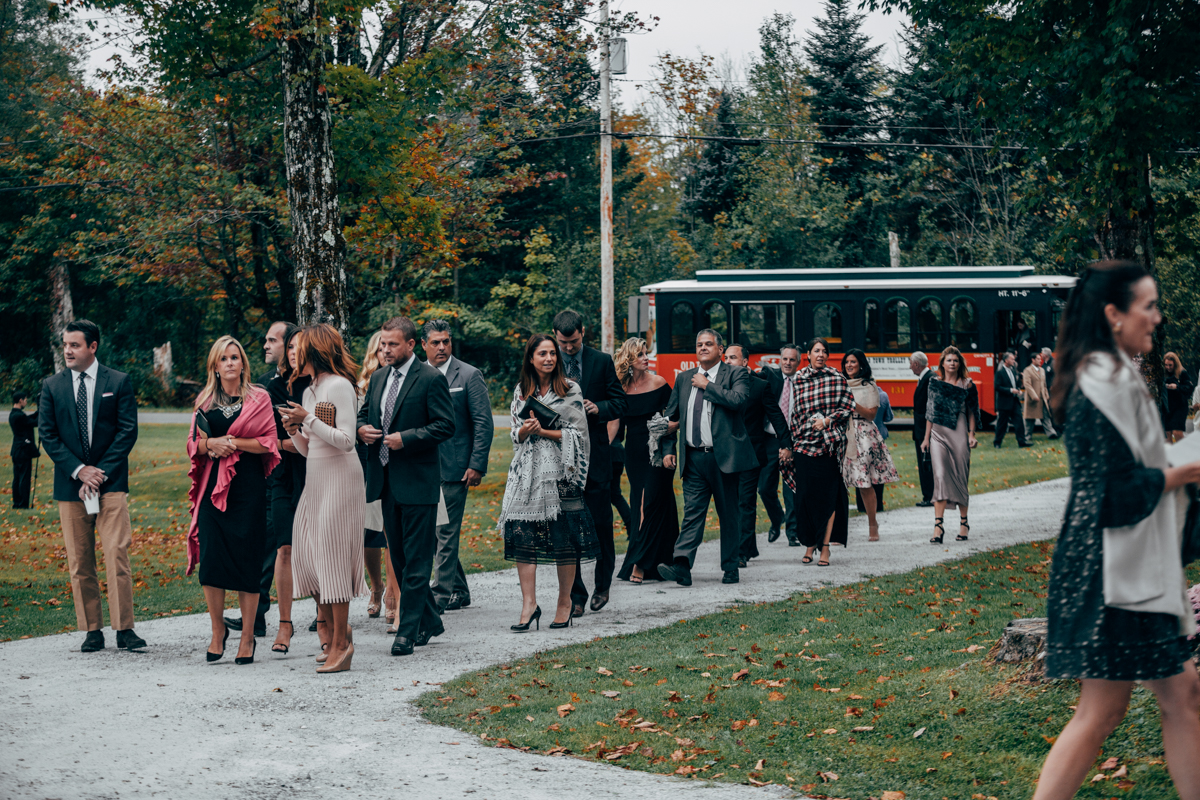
x: 888, y: 313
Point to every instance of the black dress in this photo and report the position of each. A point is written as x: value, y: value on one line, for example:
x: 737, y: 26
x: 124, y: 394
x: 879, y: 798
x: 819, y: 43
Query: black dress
x: 232, y: 542
x: 651, y: 491
x: 287, y: 481
x: 1178, y: 401
x: 1109, y: 489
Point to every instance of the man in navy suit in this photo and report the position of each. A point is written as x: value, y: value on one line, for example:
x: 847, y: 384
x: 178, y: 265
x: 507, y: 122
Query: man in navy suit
x: 87, y: 417
x: 603, y: 400
x: 463, y: 457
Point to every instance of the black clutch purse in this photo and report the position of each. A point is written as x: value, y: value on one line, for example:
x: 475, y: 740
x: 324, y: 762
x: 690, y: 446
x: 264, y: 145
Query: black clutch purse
x: 202, y: 425
x: 547, y: 417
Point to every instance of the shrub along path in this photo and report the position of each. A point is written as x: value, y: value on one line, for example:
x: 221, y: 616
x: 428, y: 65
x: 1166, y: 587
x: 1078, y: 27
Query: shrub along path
x: 165, y: 723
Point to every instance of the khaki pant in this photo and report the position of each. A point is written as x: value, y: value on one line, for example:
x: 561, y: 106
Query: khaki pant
x: 116, y: 534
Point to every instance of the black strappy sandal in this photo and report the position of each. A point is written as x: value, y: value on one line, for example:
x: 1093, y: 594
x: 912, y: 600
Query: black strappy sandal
x: 275, y: 647
x: 808, y: 557
x: 937, y: 526
x: 962, y: 523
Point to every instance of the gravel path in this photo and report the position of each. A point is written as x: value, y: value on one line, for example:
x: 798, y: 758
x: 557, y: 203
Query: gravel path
x: 164, y: 724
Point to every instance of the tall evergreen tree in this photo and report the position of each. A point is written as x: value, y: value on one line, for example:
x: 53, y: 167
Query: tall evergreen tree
x: 714, y: 184
x: 844, y: 74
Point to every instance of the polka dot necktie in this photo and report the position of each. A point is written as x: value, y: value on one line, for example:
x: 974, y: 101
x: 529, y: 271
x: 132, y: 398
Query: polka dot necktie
x: 81, y: 411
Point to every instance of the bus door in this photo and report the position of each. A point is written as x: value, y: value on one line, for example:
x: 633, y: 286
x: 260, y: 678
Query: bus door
x: 830, y: 320
x: 762, y: 327
x: 1017, y: 330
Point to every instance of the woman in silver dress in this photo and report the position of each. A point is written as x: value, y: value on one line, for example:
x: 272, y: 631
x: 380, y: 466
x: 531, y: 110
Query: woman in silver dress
x: 950, y: 418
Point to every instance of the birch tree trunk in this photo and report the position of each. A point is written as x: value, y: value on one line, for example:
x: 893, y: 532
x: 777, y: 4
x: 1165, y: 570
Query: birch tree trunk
x: 64, y: 309
x: 318, y: 249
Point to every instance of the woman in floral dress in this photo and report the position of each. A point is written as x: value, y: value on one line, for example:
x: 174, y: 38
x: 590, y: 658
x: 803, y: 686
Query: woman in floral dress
x: 867, y: 462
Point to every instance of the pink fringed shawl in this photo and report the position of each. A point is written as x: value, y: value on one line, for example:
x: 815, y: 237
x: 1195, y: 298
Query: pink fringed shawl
x: 257, y: 421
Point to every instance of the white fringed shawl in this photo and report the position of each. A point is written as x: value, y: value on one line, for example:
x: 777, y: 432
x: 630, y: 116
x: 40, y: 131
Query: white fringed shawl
x: 1143, y: 565
x: 538, y: 464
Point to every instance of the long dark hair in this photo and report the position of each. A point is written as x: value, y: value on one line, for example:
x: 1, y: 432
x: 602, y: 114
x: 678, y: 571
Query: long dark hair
x: 864, y: 366
x: 529, y: 375
x: 1084, y: 329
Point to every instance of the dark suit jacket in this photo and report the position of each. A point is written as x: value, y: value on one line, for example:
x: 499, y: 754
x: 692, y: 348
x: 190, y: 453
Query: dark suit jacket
x: 729, y: 394
x: 114, y: 430
x: 424, y: 418
x: 763, y: 406
x: 1006, y: 400
x: 471, y: 443
x: 920, y: 401
x: 600, y: 385
x: 23, y: 426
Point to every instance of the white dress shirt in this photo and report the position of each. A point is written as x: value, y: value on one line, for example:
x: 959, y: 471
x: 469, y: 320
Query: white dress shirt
x: 90, y: 383
x: 387, y: 385
x: 445, y: 368
x: 706, y: 437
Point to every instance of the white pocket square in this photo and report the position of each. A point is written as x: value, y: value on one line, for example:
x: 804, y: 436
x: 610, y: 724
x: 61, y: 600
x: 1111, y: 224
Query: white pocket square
x: 456, y: 389
x: 107, y: 394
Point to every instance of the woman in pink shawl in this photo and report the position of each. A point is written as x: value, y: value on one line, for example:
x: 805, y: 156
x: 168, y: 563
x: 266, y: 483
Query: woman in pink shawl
x: 233, y: 448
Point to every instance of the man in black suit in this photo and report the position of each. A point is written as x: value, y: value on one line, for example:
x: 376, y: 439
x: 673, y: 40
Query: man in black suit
x: 1009, y: 406
x: 761, y: 408
x: 603, y: 400
x: 87, y: 417
x: 918, y: 362
x: 407, y: 414
x: 709, y: 402
x: 782, y: 518
x: 24, y: 448
x: 463, y: 458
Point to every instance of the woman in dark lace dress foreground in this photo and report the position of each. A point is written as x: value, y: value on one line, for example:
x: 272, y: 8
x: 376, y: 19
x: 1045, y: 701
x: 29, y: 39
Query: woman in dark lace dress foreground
x: 653, y: 512
x: 543, y: 516
x: 1117, y: 606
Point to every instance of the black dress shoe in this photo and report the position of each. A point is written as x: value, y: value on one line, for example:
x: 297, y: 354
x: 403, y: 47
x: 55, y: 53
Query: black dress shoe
x: 793, y: 542
x: 455, y: 602
x: 680, y: 573
x: 260, y: 625
x: 93, y: 642
x: 234, y: 624
x: 128, y: 640
x: 577, y: 609
x: 402, y: 646
x: 599, y: 600
x: 730, y: 576
x: 924, y: 504
x: 423, y: 637
x: 743, y: 562
x: 773, y: 533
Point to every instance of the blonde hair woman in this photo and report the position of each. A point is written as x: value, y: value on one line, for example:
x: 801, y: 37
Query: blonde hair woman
x: 232, y: 447
x: 1179, y: 394
x: 950, y: 417
x: 374, y: 540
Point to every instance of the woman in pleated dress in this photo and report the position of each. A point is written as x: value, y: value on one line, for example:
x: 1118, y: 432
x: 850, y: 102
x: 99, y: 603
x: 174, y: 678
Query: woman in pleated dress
x: 327, y: 541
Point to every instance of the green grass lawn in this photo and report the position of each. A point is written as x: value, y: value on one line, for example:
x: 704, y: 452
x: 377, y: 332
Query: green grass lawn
x: 35, y: 594
x: 882, y: 686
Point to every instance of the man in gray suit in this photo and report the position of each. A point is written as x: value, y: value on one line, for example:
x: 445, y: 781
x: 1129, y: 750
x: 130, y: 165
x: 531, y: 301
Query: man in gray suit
x: 463, y: 457
x: 709, y: 402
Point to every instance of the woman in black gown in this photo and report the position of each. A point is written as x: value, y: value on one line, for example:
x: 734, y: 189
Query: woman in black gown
x: 654, y: 515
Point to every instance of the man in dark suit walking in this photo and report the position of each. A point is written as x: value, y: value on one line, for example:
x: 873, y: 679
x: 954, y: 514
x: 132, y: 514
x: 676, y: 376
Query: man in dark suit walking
x: 406, y: 416
x: 463, y: 458
x: 603, y: 400
x: 24, y: 448
x: 762, y: 409
x: 782, y: 519
x: 87, y: 417
x: 709, y: 402
x: 918, y: 362
x: 1008, y: 402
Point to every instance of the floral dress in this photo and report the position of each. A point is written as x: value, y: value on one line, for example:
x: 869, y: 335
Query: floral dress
x: 867, y: 461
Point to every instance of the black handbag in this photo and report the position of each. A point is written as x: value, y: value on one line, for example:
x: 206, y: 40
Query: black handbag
x: 202, y: 425
x: 547, y: 417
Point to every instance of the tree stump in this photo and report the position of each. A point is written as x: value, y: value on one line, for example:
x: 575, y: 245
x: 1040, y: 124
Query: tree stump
x: 1023, y: 640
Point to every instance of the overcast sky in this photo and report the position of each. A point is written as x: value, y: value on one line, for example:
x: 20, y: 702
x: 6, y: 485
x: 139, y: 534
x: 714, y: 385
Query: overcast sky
x: 720, y: 28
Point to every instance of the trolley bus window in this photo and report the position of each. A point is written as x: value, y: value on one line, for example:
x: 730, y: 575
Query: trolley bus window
x: 683, y: 327
x: 872, y: 324
x: 897, y: 325
x: 964, y: 325
x: 827, y: 323
x: 762, y: 327
x: 714, y: 316
x: 929, y: 325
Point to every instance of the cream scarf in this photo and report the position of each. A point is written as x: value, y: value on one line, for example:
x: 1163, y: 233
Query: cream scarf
x: 1143, y: 565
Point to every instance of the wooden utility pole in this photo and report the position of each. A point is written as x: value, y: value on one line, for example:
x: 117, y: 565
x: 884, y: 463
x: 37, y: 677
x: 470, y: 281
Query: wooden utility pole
x: 607, y: 304
x: 318, y: 248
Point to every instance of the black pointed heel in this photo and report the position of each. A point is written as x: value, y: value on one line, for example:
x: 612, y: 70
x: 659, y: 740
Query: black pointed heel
x: 937, y: 526
x: 243, y: 660
x: 962, y: 523
x: 211, y: 657
x: 535, y: 617
x: 558, y: 625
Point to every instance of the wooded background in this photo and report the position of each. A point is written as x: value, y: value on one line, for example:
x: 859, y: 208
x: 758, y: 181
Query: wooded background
x: 445, y: 163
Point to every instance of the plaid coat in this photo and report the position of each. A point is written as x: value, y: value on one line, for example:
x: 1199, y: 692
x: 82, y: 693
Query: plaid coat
x: 825, y: 392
